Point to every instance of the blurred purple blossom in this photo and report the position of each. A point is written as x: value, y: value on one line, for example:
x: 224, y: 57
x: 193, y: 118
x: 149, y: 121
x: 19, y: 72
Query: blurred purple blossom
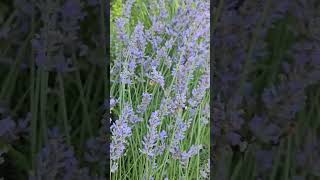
x: 199, y: 92
x: 129, y: 115
x: 10, y: 130
x: 57, y: 160
x: 185, y: 156
x: 146, y: 99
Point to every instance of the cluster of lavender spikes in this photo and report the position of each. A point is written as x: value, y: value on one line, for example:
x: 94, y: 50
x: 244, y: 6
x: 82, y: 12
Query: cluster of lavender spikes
x: 160, y: 66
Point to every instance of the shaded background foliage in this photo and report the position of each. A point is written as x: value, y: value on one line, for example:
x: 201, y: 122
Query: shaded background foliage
x: 266, y: 89
x: 53, y: 86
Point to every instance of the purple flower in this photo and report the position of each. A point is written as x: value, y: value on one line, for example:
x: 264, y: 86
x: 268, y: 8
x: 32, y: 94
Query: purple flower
x: 128, y: 7
x: 181, y: 86
x: 185, y: 156
x: 96, y: 148
x: 157, y: 77
x: 137, y: 43
x: 59, y: 34
x: 146, y: 99
x: 264, y: 159
x: 113, y: 103
x: 167, y: 106
x: 57, y: 160
x: 234, y: 138
x: 10, y: 130
x: 178, y: 137
x: 163, y: 134
x: 129, y: 114
x: 205, y: 171
x: 267, y: 132
x: 71, y: 14
x: 125, y: 76
x: 7, y: 127
x: 205, y: 114
x: 199, y: 92
x: 120, y: 132
x: 150, y: 141
x: 121, y: 33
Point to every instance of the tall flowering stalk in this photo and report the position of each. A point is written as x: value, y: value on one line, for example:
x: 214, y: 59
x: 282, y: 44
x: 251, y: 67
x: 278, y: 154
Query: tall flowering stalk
x: 120, y: 132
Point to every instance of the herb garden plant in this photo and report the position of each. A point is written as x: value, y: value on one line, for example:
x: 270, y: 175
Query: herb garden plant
x: 160, y: 90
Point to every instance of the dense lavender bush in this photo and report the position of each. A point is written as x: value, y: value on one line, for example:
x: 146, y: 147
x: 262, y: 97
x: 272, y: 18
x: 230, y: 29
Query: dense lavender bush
x: 159, y: 84
x: 53, y: 90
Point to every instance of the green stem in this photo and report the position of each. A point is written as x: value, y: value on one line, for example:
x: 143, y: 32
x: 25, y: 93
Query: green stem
x: 34, y: 113
x: 288, y: 159
x: 43, y: 103
x: 64, y: 108
x: 104, y: 45
x: 85, y: 120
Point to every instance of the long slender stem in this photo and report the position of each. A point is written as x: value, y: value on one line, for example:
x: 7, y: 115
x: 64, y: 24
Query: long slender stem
x: 34, y: 119
x: 33, y: 99
x: 43, y: 103
x: 64, y: 108
x: 104, y: 46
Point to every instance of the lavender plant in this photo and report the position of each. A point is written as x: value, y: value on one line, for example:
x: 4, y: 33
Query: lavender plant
x: 160, y: 80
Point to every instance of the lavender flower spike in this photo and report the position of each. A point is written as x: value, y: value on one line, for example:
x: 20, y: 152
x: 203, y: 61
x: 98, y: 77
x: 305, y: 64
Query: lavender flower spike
x: 120, y: 131
x: 129, y: 114
x: 146, y: 99
x: 150, y: 140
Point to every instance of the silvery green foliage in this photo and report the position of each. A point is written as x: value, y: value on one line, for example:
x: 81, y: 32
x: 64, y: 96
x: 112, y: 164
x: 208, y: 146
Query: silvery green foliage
x: 171, y: 55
